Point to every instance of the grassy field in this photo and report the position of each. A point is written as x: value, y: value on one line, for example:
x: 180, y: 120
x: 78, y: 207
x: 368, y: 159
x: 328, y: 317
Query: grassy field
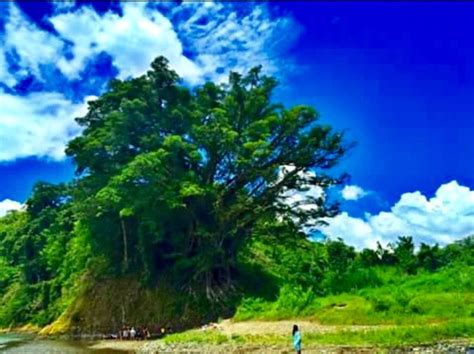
x: 403, y: 310
x: 401, y: 300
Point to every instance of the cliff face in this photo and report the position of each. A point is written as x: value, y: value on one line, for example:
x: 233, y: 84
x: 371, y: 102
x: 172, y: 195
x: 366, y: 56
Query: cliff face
x: 105, y: 306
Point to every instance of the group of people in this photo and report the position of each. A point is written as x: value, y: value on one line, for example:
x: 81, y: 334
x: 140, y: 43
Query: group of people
x: 141, y: 333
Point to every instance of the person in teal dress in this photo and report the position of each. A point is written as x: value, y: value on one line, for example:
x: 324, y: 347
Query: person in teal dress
x: 296, y: 339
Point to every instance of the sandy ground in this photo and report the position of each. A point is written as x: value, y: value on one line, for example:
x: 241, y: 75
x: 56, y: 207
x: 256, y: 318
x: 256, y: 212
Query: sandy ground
x: 283, y: 327
x: 120, y: 345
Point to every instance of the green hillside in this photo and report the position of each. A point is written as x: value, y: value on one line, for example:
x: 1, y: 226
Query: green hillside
x: 364, y: 288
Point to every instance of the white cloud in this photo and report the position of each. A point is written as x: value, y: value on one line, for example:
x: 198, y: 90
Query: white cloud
x: 7, y: 205
x: 219, y: 37
x: 133, y: 40
x: 353, y: 192
x: 64, y: 5
x: 226, y: 40
x: 202, y: 41
x: 33, y: 46
x: 39, y: 124
x: 444, y: 218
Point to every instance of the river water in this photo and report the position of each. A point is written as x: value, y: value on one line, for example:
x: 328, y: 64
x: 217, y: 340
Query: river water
x: 25, y: 344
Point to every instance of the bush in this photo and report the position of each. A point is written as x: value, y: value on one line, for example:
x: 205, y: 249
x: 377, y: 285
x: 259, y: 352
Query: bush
x: 445, y: 305
x: 16, y: 306
x: 383, y: 303
x: 401, y: 297
x: 293, y: 301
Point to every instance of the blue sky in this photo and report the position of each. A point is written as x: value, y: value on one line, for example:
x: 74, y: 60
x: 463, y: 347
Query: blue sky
x: 397, y: 77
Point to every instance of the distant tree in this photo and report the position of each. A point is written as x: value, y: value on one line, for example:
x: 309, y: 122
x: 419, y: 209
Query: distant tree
x: 429, y: 257
x: 386, y: 255
x: 44, y: 208
x: 368, y: 257
x: 45, y: 195
x: 12, y: 230
x: 404, y: 251
x: 340, y: 256
x: 460, y: 251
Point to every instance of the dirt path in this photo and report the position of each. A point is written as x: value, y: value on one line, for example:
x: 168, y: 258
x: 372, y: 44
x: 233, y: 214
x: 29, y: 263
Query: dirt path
x: 284, y: 327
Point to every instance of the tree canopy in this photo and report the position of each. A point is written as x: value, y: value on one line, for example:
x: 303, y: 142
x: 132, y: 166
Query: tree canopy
x: 174, y: 179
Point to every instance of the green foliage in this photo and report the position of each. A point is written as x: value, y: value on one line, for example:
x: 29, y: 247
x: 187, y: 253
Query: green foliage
x: 404, y: 251
x: 284, y: 258
x: 398, y: 336
x: 399, y: 299
x: 292, y: 302
x: 197, y: 337
x: 176, y: 180
x: 37, y: 252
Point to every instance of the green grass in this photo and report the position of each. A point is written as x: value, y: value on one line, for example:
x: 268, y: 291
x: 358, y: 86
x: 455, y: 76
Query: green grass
x: 398, y: 336
x: 367, y: 308
x: 198, y: 337
x: 401, y: 300
x: 415, y: 309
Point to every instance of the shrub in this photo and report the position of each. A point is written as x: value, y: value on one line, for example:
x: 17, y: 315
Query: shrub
x: 382, y: 303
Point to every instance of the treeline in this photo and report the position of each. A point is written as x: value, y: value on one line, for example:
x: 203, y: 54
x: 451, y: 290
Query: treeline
x: 332, y: 283
x: 44, y: 251
x: 333, y: 267
x: 44, y: 255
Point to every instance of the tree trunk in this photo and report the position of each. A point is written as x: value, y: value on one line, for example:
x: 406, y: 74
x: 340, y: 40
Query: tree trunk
x: 125, y: 246
x: 123, y: 315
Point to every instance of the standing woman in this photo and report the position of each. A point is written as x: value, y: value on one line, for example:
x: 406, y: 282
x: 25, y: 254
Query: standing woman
x: 296, y: 339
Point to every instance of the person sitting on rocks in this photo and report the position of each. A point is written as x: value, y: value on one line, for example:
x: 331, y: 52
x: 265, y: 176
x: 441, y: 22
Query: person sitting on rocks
x: 126, y: 333
x: 139, y: 334
x: 146, y: 333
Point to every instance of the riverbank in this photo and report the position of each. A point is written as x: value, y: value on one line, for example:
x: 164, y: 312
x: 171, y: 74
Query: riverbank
x: 272, y: 337
x: 122, y: 346
x: 26, y: 329
x: 457, y: 346
x: 453, y: 346
x: 445, y: 347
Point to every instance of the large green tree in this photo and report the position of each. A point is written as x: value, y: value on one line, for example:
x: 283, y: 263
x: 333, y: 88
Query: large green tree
x: 173, y: 180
